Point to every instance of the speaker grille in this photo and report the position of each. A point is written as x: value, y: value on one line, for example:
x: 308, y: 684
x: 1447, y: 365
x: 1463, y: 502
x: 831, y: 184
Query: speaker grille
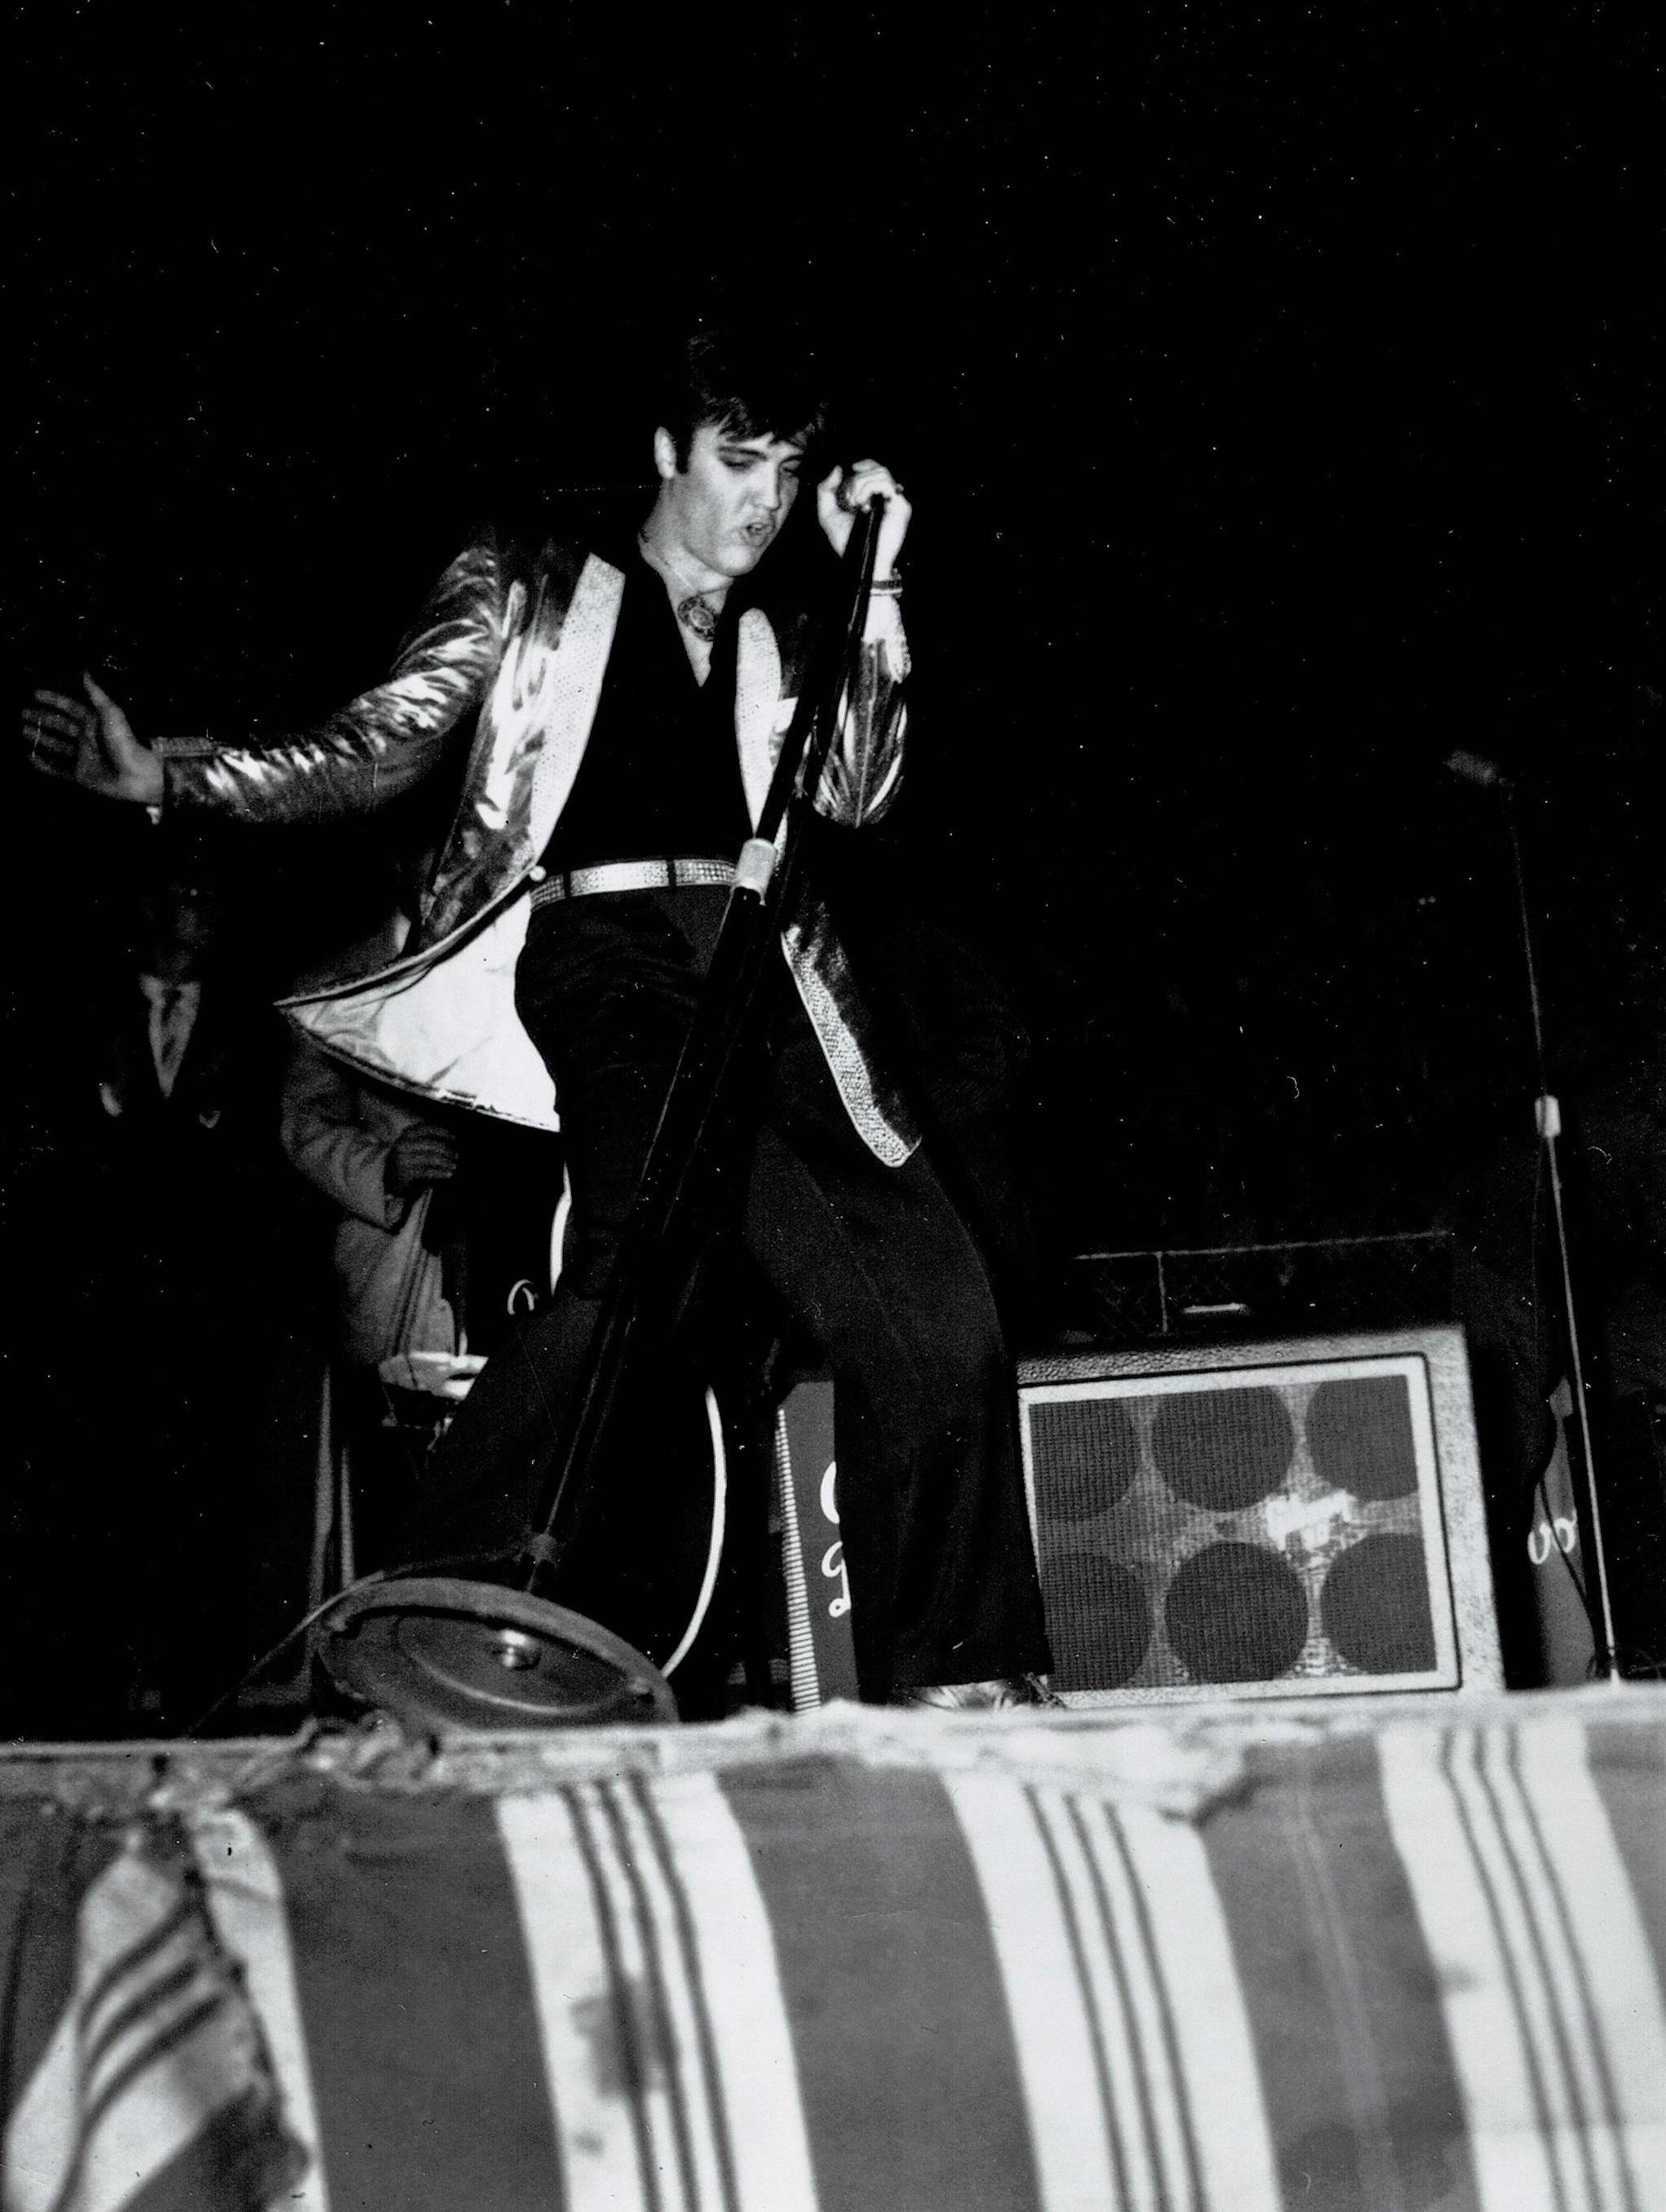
x: 1275, y: 1527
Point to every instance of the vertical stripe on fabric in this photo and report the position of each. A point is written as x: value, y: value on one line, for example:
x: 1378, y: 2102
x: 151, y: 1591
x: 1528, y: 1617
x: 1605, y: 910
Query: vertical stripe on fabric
x: 905, y: 2061
x: 1516, y: 2107
x: 673, y: 2005
x: 1360, y: 2083
x: 1472, y: 1765
x: 246, y: 1904
x: 1618, y: 2002
x: 1627, y: 1765
x: 1523, y: 1870
x: 647, y: 2069
x: 1049, y: 1996
x: 1104, y: 2024
x: 1218, y: 2109
x: 651, y: 1828
x: 623, y: 1977
x: 417, y: 2002
x: 1129, y: 1937
x: 591, y: 2053
x: 746, y: 2048
x: 1126, y: 2031
x: 1457, y: 1759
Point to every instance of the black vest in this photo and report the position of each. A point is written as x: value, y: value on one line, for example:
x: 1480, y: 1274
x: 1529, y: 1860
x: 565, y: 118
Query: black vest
x: 660, y: 775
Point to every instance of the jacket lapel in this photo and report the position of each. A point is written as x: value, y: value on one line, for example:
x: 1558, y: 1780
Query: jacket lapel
x: 760, y: 714
x: 572, y: 677
x: 557, y: 628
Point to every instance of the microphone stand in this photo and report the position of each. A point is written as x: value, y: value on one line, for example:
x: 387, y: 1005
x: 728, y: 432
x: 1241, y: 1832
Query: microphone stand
x: 1548, y: 1117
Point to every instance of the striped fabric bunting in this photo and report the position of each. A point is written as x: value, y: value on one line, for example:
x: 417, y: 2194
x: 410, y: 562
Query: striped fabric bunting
x: 153, y: 2088
x: 659, y: 1998
x: 1341, y: 1997
x: 1412, y: 1969
x: 1550, y: 2001
x: 1139, y: 2078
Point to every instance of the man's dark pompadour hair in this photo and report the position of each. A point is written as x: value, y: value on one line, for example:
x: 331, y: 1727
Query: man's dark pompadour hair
x: 749, y: 384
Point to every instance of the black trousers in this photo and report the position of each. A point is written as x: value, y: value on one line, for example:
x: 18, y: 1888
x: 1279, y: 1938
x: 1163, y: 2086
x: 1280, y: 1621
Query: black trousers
x: 874, y: 1262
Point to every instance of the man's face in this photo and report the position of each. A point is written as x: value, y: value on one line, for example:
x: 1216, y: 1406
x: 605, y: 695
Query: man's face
x: 727, y: 505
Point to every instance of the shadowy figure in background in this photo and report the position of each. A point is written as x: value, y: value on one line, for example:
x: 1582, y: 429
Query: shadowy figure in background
x: 159, y: 1508
x: 385, y: 1166
x: 380, y: 1160
x: 159, y: 1055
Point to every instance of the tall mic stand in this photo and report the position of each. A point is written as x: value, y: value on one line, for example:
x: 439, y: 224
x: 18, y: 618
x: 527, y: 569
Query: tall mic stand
x: 1548, y: 1117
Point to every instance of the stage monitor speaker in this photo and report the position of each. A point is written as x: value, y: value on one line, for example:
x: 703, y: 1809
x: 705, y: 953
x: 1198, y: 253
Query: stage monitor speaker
x: 1271, y: 1520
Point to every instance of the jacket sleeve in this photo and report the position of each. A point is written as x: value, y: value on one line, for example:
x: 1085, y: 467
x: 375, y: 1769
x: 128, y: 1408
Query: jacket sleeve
x: 864, y: 766
x: 323, y: 1139
x: 381, y: 743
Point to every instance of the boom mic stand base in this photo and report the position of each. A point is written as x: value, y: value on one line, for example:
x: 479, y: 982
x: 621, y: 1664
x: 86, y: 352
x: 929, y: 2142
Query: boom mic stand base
x: 440, y: 1653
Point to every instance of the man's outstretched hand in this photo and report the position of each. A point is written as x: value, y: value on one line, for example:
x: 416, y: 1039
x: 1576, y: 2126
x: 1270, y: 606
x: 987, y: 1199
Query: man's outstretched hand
x: 90, y: 742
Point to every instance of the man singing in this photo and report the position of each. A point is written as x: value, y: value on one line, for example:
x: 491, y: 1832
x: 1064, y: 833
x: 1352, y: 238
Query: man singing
x: 621, y: 706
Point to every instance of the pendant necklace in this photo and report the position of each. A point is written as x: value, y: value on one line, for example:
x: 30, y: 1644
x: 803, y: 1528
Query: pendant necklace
x: 696, y: 612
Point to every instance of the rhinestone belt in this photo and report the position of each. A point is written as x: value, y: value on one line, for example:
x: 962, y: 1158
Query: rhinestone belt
x: 628, y: 876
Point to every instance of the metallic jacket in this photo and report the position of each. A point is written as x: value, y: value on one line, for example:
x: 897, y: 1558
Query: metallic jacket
x: 509, y: 658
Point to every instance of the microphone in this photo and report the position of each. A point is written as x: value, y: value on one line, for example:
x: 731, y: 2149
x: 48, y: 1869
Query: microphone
x: 1476, y: 768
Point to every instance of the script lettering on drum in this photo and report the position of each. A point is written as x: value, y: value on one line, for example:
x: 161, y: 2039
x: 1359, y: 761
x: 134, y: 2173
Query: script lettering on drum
x: 833, y: 1566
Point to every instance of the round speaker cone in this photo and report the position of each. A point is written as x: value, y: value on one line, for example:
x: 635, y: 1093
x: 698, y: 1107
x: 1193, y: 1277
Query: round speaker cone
x: 437, y: 1652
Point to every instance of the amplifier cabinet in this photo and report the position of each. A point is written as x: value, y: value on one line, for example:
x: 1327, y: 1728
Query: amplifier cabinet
x: 1275, y: 1520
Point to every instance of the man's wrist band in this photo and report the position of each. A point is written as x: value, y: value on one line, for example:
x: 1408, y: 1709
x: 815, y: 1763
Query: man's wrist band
x: 886, y: 587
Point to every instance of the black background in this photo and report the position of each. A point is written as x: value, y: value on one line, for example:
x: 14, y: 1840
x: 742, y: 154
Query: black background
x: 1275, y: 388
x: 1274, y: 393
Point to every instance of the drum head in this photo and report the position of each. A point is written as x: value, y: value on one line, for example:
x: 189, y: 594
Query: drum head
x: 442, y: 1654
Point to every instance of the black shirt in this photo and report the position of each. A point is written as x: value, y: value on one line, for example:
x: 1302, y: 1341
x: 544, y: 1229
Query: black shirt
x: 660, y: 775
